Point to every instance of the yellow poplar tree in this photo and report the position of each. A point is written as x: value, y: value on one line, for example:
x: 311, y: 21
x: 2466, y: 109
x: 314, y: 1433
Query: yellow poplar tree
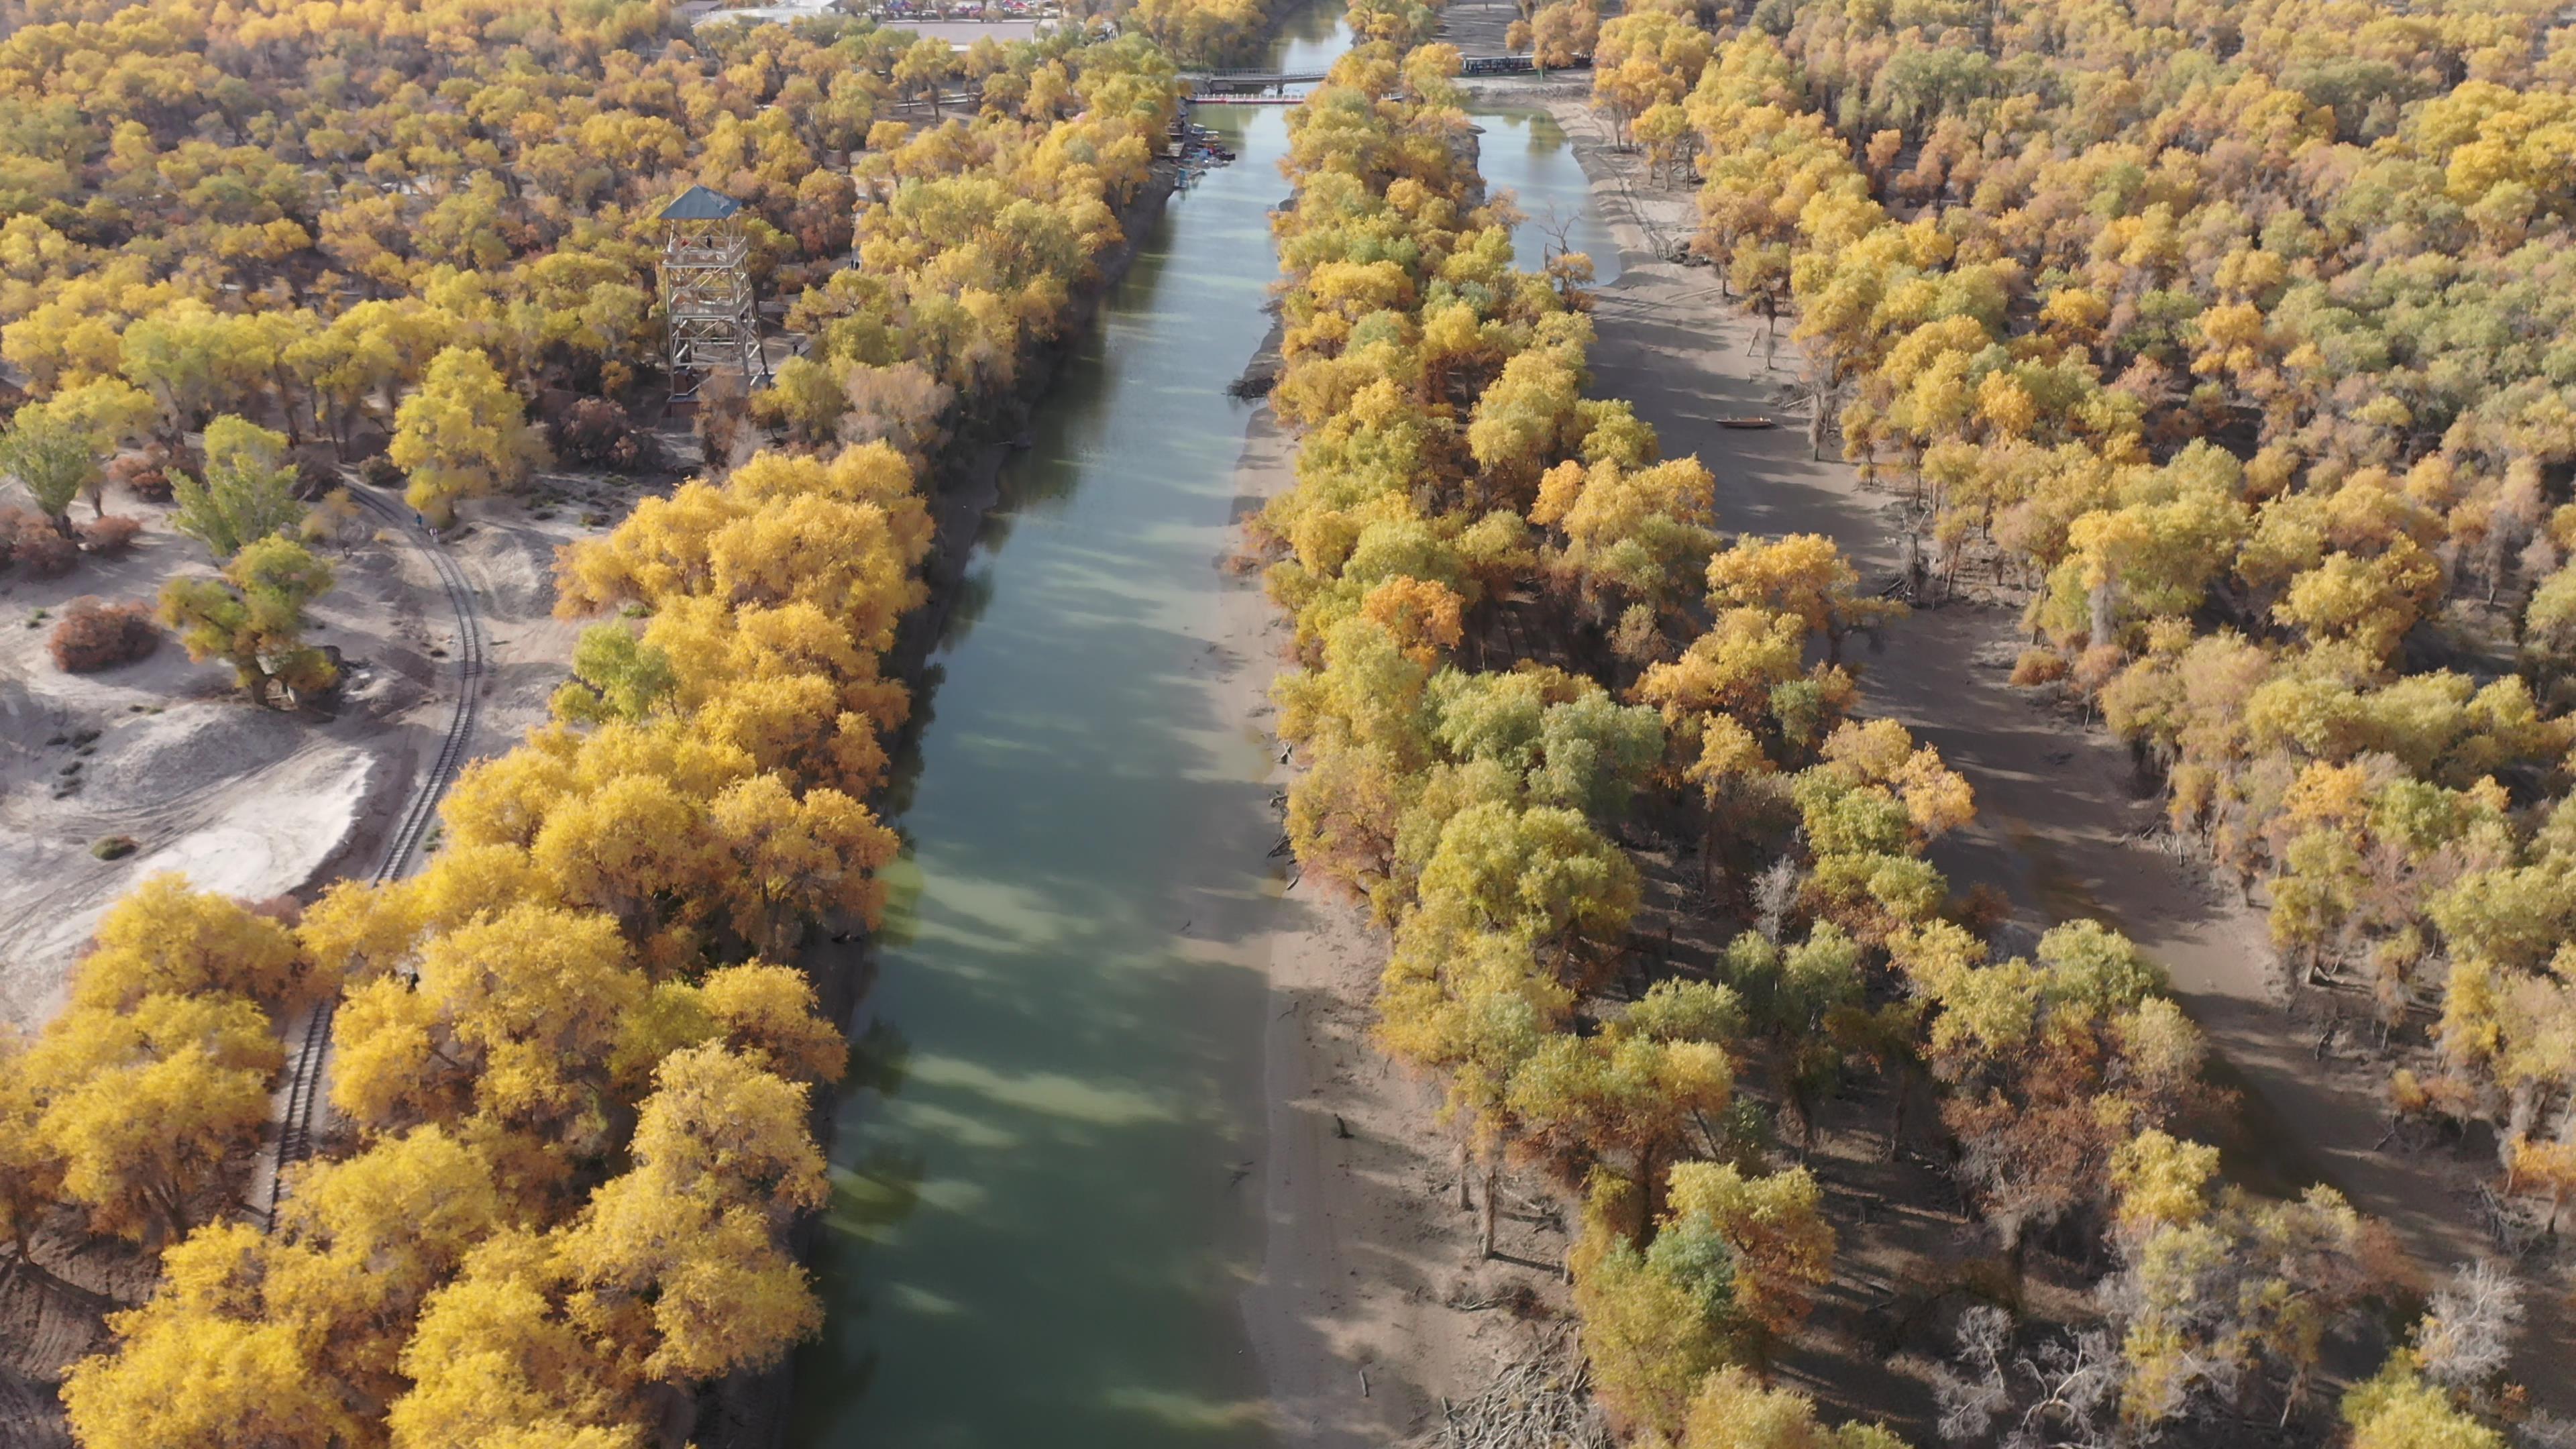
x: 464, y: 434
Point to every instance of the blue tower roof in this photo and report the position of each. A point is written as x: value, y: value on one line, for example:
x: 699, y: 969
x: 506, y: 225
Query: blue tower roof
x: 699, y: 204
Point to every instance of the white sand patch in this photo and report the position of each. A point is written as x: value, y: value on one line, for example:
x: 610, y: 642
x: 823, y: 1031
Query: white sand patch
x: 254, y: 834
x: 247, y: 801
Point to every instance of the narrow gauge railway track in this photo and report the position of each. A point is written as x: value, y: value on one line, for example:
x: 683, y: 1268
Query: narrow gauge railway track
x: 304, y: 1083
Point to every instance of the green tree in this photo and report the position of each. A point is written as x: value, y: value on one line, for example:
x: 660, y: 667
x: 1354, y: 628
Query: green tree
x: 1626, y: 1100
x: 252, y: 618
x: 928, y: 65
x: 52, y: 460
x: 615, y: 676
x: 247, y: 493
x: 190, y: 358
x: 1544, y: 872
x: 111, y: 411
x: 1654, y: 1322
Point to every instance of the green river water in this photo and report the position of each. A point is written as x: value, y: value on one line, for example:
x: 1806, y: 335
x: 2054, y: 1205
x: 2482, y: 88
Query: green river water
x: 1038, y: 1236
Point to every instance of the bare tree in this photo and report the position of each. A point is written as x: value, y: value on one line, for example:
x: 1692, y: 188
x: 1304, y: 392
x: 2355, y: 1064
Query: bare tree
x: 1975, y: 1388
x: 2062, y: 1394
x: 2466, y: 1335
x: 1557, y: 225
x: 1774, y: 891
x: 2075, y: 1394
x: 1822, y: 394
x: 2545, y: 1430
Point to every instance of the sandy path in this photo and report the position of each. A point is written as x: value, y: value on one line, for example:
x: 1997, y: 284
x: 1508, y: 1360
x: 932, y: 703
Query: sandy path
x: 2060, y: 810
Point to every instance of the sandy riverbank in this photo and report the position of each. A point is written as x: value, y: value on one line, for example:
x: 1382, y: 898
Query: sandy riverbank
x: 1372, y: 1305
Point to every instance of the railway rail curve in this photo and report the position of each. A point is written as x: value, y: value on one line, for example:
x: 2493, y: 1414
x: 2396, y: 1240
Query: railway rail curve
x: 301, y: 1108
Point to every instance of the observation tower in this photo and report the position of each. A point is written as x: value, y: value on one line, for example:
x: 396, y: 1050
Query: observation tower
x: 706, y: 291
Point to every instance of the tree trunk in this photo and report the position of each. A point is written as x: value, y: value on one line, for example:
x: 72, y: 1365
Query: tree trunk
x: 1466, y: 1202
x: 286, y: 404
x: 1492, y: 1171
x: 1646, y: 1199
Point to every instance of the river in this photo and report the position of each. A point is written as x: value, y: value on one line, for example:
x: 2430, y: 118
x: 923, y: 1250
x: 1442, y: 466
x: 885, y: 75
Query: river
x: 1041, y: 1222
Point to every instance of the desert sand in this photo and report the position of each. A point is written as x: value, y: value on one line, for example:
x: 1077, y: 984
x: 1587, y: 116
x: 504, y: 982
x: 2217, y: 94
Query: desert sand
x: 253, y: 802
x: 248, y: 801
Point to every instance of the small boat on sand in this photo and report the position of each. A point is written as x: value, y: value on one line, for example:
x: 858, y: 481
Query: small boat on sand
x: 1746, y: 423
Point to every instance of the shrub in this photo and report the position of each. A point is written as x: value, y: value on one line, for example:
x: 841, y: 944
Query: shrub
x: 114, y: 847
x: 724, y: 417
x: 111, y: 535
x: 315, y: 477
x: 95, y: 636
x: 31, y: 541
x: 2096, y: 666
x: 244, y: 493
x: 381, y: 472
x: 146, y: 474
x: 336, y: 519
x: 2038, y: 666
x: 597, y: 433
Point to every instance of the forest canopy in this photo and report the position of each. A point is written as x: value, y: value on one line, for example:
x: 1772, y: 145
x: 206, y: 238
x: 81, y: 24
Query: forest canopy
x: 573, y: 1063
x: 2230, y: 338
x: 2189, y: 328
